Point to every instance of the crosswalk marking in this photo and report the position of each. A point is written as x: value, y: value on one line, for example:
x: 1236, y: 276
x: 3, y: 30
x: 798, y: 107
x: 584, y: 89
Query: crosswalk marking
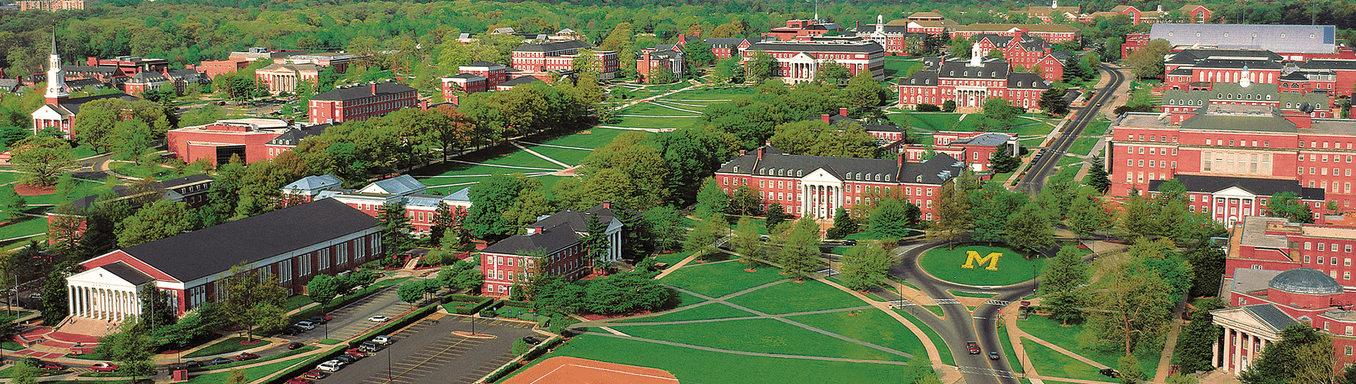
x: 996, y: 302
x: 946, y: 301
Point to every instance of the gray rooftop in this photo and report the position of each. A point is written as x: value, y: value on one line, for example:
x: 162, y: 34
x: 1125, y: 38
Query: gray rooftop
x: 314, y: 183
x: 1270, y: 315
x: 359, y: 91
x: 1251, y: 280
x: 1255, y: 233
x: 1305, y: 281
x: 1278, y: 38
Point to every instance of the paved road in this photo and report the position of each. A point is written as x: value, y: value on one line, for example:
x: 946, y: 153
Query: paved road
x: 1041, y: 168
x: 351, y: 320
x: 428, y: 353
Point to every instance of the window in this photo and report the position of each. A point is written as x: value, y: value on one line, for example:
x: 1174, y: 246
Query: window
x: 285, y: 269
x: 305, y: 264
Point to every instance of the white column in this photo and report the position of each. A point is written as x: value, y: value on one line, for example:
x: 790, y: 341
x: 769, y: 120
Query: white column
x: 1238, y: 351
x: 70, y: 299
x: 1214, y: 354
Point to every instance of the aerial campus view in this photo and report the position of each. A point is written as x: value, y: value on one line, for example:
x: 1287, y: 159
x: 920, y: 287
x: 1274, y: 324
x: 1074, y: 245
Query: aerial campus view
x: 468, y: 191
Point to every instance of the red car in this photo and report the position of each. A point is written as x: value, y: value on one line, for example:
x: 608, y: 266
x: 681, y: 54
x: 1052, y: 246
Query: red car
x: 104, y: 367
x: 298, y: 380
x: 355, y: 352
x: 246, y: 356
x: 315, y: 374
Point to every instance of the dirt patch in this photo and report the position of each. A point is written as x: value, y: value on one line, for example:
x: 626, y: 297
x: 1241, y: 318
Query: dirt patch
x: 595, y: 316
x: 28, y: 190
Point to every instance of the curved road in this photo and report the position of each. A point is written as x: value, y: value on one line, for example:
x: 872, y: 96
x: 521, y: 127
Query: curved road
x: 1041, y: 168
x: 961, y: 325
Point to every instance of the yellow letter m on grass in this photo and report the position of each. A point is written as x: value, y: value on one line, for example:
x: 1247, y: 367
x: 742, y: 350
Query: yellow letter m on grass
x: 973, y: 258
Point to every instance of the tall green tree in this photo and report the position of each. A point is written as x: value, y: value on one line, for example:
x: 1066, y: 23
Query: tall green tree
x: 760, y: 66
x: 1088, y: 213
x: 843, y: 224
x: 11, y: 203
x: 729, y: 70
x: 1061, y: 280
x: 131, y: 347
x: 159, y: 220
x: 952, y: 216
x: 248, y: 292
x: 1098, y: 176
x: 709, y: 229
x: 665, y: 227
x: 323, y: 288
x: 1289, y: 206
x: 711, y: 199
x: 1137, y: 219
x: 1052, y: 102
x: 799, y: 255
x: 1197, y: 340
x: 55, y: 307
x: 1128, y: 304
x: 395, y: 232
x: 596, y: 243
x: 1030, y: 228
x: 1303, y: 355
x: 889, y: 219
x: 697, y: 53
x: 865, y: 266
x: 776, y: 215
x: 746, y: 241
x: 863, y: 91
x: 23, y: 374
x: 832, y: 73
x: 42, y: 159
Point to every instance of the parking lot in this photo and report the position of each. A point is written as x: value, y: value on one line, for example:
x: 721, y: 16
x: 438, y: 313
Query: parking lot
x: 351, y: 320
x: 427, y: 352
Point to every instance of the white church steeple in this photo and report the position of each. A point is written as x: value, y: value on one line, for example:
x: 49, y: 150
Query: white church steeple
x: 56, y: 77
x: 976, y: 59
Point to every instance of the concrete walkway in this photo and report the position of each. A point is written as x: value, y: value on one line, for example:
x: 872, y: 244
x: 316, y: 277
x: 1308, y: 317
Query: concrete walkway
x: 499, y: 165
x: 665, y: 105
x: 1170, y: 345
x: 534, y: 153
x: 651, y: 130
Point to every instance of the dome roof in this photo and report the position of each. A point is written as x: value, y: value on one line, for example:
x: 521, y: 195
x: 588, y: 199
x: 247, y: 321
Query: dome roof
x: 1306, y: 281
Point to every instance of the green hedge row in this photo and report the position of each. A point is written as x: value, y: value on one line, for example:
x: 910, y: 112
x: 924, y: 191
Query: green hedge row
x: 310, y: 364
x: 503, y: 371
x: 515, y: 304
x: 481, y: 303
x: 543, y: 347
x: 395, y: 324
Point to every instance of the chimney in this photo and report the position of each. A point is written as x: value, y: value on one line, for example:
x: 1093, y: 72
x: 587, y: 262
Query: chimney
x: 899, y: 159
x: 374, y: 88
x: 534, y: 230
x: 760, y: 153
x: 741, y: 152
x: 423, y: 105
x: 824, y: 117
x: 607, y: 204
x: 842, y: 112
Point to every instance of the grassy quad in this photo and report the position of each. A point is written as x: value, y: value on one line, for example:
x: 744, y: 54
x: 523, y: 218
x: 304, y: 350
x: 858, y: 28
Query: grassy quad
x: 699, y: 366
x: 1051, y: 363
x: 589, y: 138
x: 650, y: 109
x: 790, y: 297
x: 759, y: 336
x: 930, y: 121
x: 942, y: 348
x: 720, y: 279
x: 869, y: 325
x: 704, y: 312
x: 945, y: 264
x: 1049, y: 330
x: 712, y: 94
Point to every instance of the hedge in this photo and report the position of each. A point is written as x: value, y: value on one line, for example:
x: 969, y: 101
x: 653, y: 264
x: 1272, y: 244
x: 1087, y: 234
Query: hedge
x: 503, y: 371
x: 542, y: 348
x: 481, y: 303
x: 298, y: 369
x: 515, y: 304
x: 395, y: 324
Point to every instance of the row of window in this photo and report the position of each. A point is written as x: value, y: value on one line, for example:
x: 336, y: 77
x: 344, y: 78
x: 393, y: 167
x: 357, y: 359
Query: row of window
x: 1152, y: 163
x: 1321, y: 247
x: 198, y: 295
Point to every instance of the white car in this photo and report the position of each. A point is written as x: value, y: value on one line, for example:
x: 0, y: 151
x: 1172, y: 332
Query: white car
x: 383, y: 340
x: 307, y: 325
x: 379, y: 319
x: 330, y: 366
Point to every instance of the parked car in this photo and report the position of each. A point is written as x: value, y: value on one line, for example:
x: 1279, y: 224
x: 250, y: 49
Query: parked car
x: 192, y: 364
x: 104, y: 367
x: 849, y: 242
x: 298, y: 380
x: 369, y: 347
x: 246, y: 356
x: 379, y: 319
x: 219, y: 360
x: 382, y: 339
x: 993, y: 355
x: 356, y: 352
x: 47, y: 365
x: 315, y: 374
x: 294, y: 345
x: 318, y: 319
x: 346, y: 359
x: 307, y: 325
x: 330, y: 366
x: 973, y: 347
x: 531, y: 340
x: 1108, y: 372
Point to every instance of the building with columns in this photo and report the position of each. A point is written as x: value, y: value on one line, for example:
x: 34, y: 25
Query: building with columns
x: 815, y: 186
x: 970, y: 83
x: 1237, y: 142
x: 1263, y: 302
x: 292, y: 245
x: 278, y: 78
x: 555, y: 240
x: 799, y: 61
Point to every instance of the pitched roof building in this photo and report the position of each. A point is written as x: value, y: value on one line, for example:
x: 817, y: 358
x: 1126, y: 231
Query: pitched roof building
x: 361, y: 102
x: 800, y: 61
x: 552, y: 245
x: 420, y: 206
x: 970, y: 83
x: 250, y: 139
x: 1293, y: 42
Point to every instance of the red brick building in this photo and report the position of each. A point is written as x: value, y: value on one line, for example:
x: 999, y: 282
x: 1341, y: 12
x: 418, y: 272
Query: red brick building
x: 1238, y: 142
x: 52, y: 5
x: 1278, y: 273
x: 663, y: 57
x: 796, y: 29
x: 814, y: 186
x: 543, y: 59
x: 1134, y: 42
x: 191, y: 190
x: 554, y: 240
x: 1053, y: 33
x: 1026, y: 52
x: 292, y: 245
x: 1297, y: 102
x: 130, y: 65
x: 214, y: 68
x: 974, y: 148
x: 799, y: 61
x: 479, y: 76
x: 420, y: 206
x: 970, y: 84
x: 361, y: 102
x: 250, y: 139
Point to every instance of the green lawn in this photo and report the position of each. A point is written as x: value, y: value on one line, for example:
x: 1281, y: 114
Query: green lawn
x: 650, y: 109
x: 698, y: 366
x: 157, y: 172
x: 590, y: 138
x: 1082, y: 145
x: 564, y: 155
x: 279, y: 356
x: 83, y: 188
x: 1009, y: 353
x: 672, y: 258
x: 869, y: 325
x: 899, y: 66
x: 721, y: 279
x: 1049, y: 330
x: 791, y: 297
x: 1054, y: 364
x: 252, y: 374
x: 1097, y: 128
x: 24, y: 226
x: 9, y: 177
x: 709, y: 311
x: 711, y: 93
x: 1027, y: 127
x: 761, y: 336
x: 947, y: 265
x: 225, y: 346
x: 932, y: 121
x: 654, y: 122
x: 937, y: 341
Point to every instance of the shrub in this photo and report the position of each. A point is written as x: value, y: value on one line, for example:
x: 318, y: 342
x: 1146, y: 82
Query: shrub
x: 488, y: 313
x: 927, y: 108
x: 520, y: 347
x: 507, y: 369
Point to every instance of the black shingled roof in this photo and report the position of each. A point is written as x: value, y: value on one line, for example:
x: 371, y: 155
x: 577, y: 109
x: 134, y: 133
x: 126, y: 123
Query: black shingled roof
x: 362, y: 90
x: 933, y: 171
x: 213, y: 250
x: 127, y: 273
x: 547, y: 242
x: 553, y: 46
x: 1260, y: 187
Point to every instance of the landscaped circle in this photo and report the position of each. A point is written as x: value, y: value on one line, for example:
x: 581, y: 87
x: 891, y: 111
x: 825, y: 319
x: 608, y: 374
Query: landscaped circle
x: 984, y: 268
